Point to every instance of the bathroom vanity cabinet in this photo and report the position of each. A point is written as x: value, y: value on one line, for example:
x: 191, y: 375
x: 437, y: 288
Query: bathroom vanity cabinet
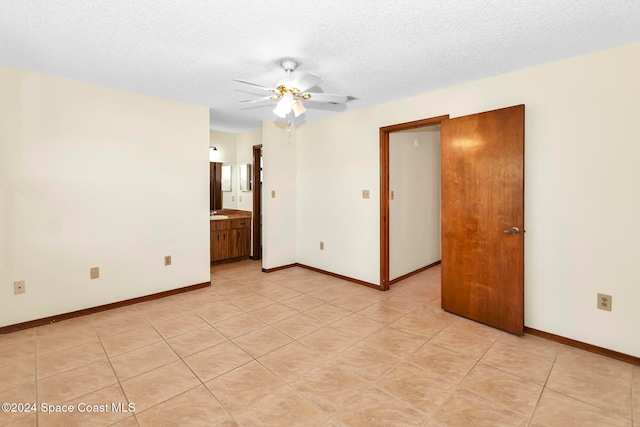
x: 230, y: 238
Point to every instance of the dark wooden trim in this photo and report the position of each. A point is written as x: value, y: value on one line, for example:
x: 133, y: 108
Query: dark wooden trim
x: 384, y: 188
x: 584, y: 346
x: 413, y: 273
x: 414, y: 124
x: 282, y: 267
x: 256, y: 251
x: 340, y: 276
x: 328, y: 273
x: 215, y: 186
x: 99, y: 308
x: 384, y: 209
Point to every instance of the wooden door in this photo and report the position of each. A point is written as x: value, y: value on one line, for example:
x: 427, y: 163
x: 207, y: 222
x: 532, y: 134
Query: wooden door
x: 483, y: 217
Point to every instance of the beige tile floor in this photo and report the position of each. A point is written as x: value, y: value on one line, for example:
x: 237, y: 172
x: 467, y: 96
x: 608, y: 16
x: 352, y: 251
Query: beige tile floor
x: 298, y: 348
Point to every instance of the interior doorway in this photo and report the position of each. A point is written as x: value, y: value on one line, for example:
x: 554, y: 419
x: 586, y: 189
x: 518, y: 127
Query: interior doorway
x: 414, y: 205
x: 405, y: 199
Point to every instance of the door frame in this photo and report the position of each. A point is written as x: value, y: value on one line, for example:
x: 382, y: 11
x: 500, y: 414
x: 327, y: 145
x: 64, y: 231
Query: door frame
x: 384, y: 188
x: 256, y: 250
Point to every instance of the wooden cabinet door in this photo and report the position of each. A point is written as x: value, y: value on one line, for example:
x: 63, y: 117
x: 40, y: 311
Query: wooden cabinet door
x: 244, y: 242
x: 233, y: 243
x: 483, y: 217
x: 219, y: 245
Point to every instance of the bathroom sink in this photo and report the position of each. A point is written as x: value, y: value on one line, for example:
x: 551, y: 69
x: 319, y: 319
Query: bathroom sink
x: 217, y: 217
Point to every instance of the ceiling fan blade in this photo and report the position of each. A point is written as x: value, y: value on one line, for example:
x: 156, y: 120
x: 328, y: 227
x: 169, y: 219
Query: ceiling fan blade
x: 268, y: 89
x: 328, y: 97
x: 305, y: 81
x: 264, y: 98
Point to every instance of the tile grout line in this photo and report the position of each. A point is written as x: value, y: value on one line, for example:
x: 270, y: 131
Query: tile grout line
x: 116, y: 376
x: 190, y: 370
x: 35, y: 373
x: 294, y: 340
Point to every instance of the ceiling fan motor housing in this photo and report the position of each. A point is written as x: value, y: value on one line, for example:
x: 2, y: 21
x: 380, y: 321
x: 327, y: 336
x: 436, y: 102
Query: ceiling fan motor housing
x: 289, y: 65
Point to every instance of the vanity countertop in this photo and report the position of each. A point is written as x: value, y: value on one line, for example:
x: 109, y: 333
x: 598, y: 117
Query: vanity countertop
x: 231, y: 214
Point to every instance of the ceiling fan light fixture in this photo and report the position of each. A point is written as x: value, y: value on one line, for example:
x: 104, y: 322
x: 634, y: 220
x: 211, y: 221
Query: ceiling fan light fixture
x: 290, y: 92
x: 283, y: 107
x: 298, y: 108
x: 280, y: 112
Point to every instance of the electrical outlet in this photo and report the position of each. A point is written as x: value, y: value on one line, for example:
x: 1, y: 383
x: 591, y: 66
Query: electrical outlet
x: 19, y: 287
x: 322, y: 246
x: 94, y: 272
x: 167, y: 260
x: 604, y: 302
x: 273, y: 194
x: 365, y: 194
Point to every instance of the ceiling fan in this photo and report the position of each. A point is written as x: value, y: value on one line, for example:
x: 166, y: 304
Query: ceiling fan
x: 291, y: 91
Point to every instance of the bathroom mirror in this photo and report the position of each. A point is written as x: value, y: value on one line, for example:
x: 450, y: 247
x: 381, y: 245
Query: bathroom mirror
x: 226, y: 177
x: 245, y: 177
x: 222, y: 186
x: 227, y: 183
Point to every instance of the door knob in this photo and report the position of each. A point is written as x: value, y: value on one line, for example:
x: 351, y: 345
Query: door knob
x: 512, y: 230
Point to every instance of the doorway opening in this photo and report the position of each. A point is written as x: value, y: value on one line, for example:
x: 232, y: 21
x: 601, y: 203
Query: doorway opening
x: 409, y: 199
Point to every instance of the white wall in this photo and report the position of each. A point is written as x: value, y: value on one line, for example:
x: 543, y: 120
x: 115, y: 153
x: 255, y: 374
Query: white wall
x: 226, y: 146
x: 414, y: 211
x: 279, y: 212
x: 582, y: 151
x: 337, y: 159
x: 92, y: 176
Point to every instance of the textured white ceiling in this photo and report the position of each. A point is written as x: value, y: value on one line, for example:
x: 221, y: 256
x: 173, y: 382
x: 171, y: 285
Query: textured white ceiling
x: 374, y: 50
